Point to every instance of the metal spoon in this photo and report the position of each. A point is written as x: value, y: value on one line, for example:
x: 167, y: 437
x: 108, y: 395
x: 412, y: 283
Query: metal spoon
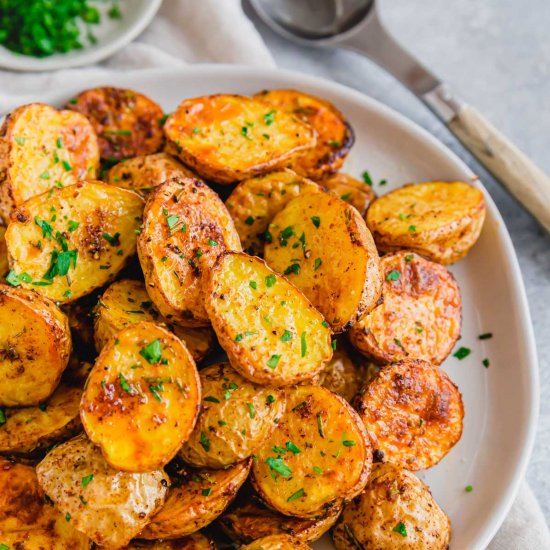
x: 356, y: 25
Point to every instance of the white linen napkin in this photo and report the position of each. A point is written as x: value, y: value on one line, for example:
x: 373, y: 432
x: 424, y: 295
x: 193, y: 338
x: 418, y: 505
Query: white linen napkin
x: 217, y: 31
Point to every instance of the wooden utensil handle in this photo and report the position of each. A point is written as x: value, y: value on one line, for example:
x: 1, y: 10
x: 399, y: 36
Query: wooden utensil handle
x: 526, y: 181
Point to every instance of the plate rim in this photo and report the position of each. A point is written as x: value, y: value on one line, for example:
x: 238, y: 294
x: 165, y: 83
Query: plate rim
x: 401, y: 122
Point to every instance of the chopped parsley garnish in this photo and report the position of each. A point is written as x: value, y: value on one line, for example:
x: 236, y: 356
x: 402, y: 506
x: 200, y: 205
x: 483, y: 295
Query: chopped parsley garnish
x: 152, y: 352
x: 206, y: 492
x: 72, y: 225
x: 287, y: 336
x: 66, y: 165
x: 205, y: 442
x: 292, y: 448
x: 398, y: 343
x: 469, y: 488
x: 317, y: 470
x: 292, y: 268
x: 19, y: 140
x: 3, y: 418
x: 44, y: 175
x: 116, y: 133
x: 270, y: 280
x: 172, y: 221
x: 249, y: 220
x: 273, y: 361
x: 211, y: 398
x: 486, y: 363
x: 303, y: 344
x: 269, y: 118
x: 366, y: 178
x: 212, y: 243
x: 278, y: 465
x: 334, y: 344
x: 239, y: 337
x: 47, y: 229
x: 253, y: 285
x: 86, y: 479
x: 412, y: 228
x: 113, y: 240
x: 462, y: 352
x: 124, y: 384
x: 270, y: 399
x: 409, y: 257
x: 485, y: 336
x: 67, y: 517
x: 393, y: 275
x: 348, y: 443
x: 317, y: 263
x: 244, y: 132
x: 251, y: 410
x: 345, y: 197
x: 316, y: 220
x: 298, y: 494
x: 401, y: 529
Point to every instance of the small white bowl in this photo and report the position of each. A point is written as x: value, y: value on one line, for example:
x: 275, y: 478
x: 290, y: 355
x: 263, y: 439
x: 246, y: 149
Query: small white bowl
x: 111, y: 34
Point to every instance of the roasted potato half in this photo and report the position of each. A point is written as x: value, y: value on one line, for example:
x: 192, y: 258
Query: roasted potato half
x: 141, y: 399
x: 237, y: 416
x: 126, y: 303
x: 35, y: 344
x: 75, y: 240
x: 252, y: 520
x: 270, y: 331
x: 109, y: 506
x: 440, y: 220
x: 195, y: 499
x: 186, y: 227
x: 335, y: 136
x: 228, y: 138
x: 277, y: 542
x: 318, y: 456
x: 413, y: 413
x: 143, y: 174
x: 196, y: 541
x: 396, y: 510
x: 127, y: 123
x: 324, y: 247
x: 351, y: 190
x: 419, y: 317
x: 42, y: 148
x: 4, y: 263
x: 255, y: 201
x: 342, y: 374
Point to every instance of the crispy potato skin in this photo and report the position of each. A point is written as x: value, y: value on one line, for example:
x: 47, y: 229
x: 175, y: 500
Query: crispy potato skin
x: 127, y: 123
x: 351, y: 190
x: 441, y: 220
x: 392, y: 497
x: 186, y: 227
x: 126, y: 303
x: 187, y: 508
x: 40, y: 148
x: 315, y: 420
x: 196, y: 541
x: 236, y: 418
x: 4, y: 263
x: 413, y: 413
x: 342, y: 375
x: 271, y: 333
x: 35, y: 344
x: 337, y: 264
x: 335, y: 136
x: 118, y: 504
x: 143, y: 174
x: 419, y: 317
x: 222, y: 137
x: 106, y: 219
x: 140, y: 416
x: 255, y: 201
x: 252, y: 520
x: 277, y: 542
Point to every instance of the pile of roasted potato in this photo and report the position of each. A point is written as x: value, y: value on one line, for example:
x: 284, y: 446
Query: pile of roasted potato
x: 124, y: 278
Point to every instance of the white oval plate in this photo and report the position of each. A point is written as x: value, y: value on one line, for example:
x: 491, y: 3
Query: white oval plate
x: 501, y: 402
x: 111, y: 34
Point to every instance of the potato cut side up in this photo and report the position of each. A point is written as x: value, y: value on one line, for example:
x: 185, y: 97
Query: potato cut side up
x: 195, y: 499
x: 42, y: 148
x: 277, y: 542
x: 196, y: 541
x: 413, y: 413
x: 269, y: 330
x: 255, y: 201
x: 318, y: 456
x: 227, y: 138
x: 396, y: 510
x: 142, y: 398
x: 126, y: 303
x: 351, y: 190
x: 143, y: 174
x: 185, y: 228
x: 35, y: 344
x: 237, y: 417
x: 109, y: 506
x: 420, y: 316
x: 68, y: 243
x: 335, y: 136
x: 127, y: 123
x: 324, y: 247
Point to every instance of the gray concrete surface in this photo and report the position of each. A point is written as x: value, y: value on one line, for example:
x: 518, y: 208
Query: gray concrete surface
x: 496, y: 55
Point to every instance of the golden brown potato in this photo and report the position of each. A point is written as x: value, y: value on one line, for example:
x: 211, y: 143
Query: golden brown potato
x: 196, y: 541
x: 252, y: 520
x: 318, y: 456
x: 35, y: 344
x: 396, y: 510
x: 195, y: 499
x: 227, y: 138
x: 236, y: 418
x: 109, y: 506
x: 419, y: 317
x: 186, y: 227
x: 335, y: 136
x: 440, y: 220
x: 269, y: 330
x: 277, y: 542
x: 4, y: 264
x: 255, y: 201
x: 351, y: 190
x: 127, y: 123
x: 41, y: 149
x: 342, y: 374
x: 77, y: 239
x: 324, y: 247
x: 413, y: 413
x: 142, y: 398
x: 126, y: 302
x: 143, y: 174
